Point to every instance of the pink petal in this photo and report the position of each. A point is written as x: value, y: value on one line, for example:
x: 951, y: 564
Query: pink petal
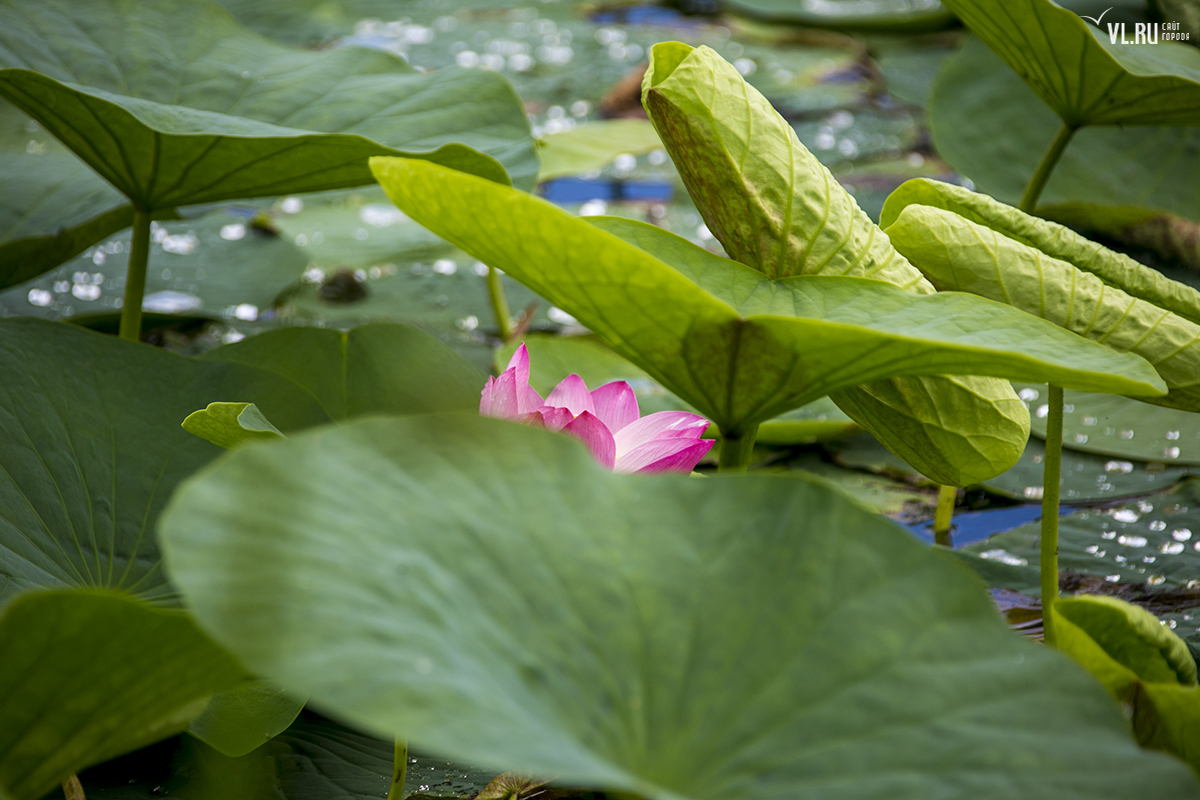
x: 555, y: 419
x: 665, y: 455
x: 520, y: 362
x: 616, y: 405
x: 533, y: 419
x: 499, y: 397
x: 527, y: 398
x: 661, y: 425
x: 572, y: 394
x: 588, y: 429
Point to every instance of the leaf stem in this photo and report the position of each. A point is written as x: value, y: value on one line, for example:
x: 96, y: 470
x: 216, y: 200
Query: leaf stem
x: 736, y: 450
x: 942, y: 516
x: 399, y: 770
x: 73, y: 789
x: 1052, y: 469
x: 135, y: 278
x: 1038, y: 182
x: 499, y: 304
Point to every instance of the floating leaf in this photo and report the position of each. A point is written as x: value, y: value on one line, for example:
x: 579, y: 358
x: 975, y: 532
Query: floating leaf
x: 893, y: 16
x: 88, y: 675
x: 593, y: 146
x: 993, y: 129
x: 776, y: 208
x: 1117, y: 426
x: 488, y: 591
x: 241, y: 720
x: 371, y: 369
x: 1143, y: 665
x: 1149, y: 540
x: 960, y: 255
x: 230, y: 424
x: 1085, y: 79
x: 217, y: 112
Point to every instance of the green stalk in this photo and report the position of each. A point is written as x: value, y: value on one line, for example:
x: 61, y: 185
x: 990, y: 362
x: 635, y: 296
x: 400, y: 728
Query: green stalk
x: 1051, y: 475
x: 499, y: 304
x: 135, y: 278
x: 399, y: 770
x: 73, y: 789
x: 736, y: 450
x: 1038, y: 182
x: 947, y: 495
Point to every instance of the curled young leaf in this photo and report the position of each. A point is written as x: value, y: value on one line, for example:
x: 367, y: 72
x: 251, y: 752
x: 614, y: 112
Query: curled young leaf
x: 1114, y: 269
x: 776, y: 208
x: 961, y: 255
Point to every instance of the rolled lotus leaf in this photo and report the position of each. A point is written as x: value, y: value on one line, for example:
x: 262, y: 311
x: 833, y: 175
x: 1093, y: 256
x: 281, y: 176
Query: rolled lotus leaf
x: 1142, y: 663
x: 960, y: 255
x: 1115, y: 269
x: 776, y: 208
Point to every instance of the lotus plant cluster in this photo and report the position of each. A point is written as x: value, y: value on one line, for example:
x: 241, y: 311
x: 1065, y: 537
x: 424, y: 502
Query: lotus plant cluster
x: 606, y: 419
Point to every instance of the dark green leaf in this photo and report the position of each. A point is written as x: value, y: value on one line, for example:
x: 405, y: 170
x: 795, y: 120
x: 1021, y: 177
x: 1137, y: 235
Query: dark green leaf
x: 243, y: 719
x: 88, y: 675
x: 488, y: 591
x: 1080, y: 73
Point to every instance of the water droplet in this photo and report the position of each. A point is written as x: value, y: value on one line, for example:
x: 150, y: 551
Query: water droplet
x: 1171, y: 548
x: 40, y: 297
x: 1034, y: 492
x: 1158, y: 525
x: 1181, y: 534
x: 1125, y: 515
x: 1112, y: 578
x: 1004, y: 557
x: 1155, y: 580
x: 1122, y: 467
x: 1126, y: 434
x: 1172, y: 435
x: 234, y: 232
x: 1132, y: 540
x: 1028, y: 395
x: 1171, y: 452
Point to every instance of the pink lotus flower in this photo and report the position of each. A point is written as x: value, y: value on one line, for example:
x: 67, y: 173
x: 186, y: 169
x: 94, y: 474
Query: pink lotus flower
x: 607, y: 420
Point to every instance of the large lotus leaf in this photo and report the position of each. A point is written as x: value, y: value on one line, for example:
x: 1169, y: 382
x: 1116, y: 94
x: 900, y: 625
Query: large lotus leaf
x: 372, y: 369
x: 993, y: 129
x: 51, y: 208
x: 1084, y: 78
x: 488, y: 591
x: 776, y: 208
x: 1120, y: 427
x: 1114, y: 269
x: 737, y: 346
x: 892, y: 16
x: 552, y: 358
x: 958, y: 430
x: 593, y: 146
x: 174, y: 103
x: 1150, y: 540
x: 90, y: 448
x: 1142, y: 663
x: 961, y: 255
x: 90, y: 674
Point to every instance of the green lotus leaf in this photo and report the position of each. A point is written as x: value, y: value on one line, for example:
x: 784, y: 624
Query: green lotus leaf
x: 489, y: 592
x: 52, y: 207
x: 593, y: 146
x: 776, y: 208
x: 230, y: 424
x: 1114, y: 269
x: 1142, y: 663
x: 892, y: 16
x: 371, y: 369
x: 737, y: 346
x: 992, y: 128
x: 1080, y: 72
x: 176, y: 104
x: 243, y: 719
x: 1151, y: 541
x: 960, y: 255
x: 91, y: 446
x: 1117, y: 426
x: 1173, y: 239
x: 552, y: 358
x: 89, y: 674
